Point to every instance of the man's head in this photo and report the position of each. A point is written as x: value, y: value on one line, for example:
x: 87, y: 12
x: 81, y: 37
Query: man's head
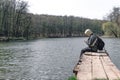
x: 88, y: 32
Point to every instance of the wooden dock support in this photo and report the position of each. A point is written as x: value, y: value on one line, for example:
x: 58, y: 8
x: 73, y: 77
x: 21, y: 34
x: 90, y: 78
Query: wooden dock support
x: 96, y: 66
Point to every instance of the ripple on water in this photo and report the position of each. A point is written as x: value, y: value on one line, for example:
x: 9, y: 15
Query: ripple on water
x: 46, y: 59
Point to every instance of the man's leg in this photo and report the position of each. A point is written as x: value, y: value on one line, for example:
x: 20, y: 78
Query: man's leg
x: 83, y: 51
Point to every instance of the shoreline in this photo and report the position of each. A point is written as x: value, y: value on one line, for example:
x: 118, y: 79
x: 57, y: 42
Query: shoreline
x: 5, y: 39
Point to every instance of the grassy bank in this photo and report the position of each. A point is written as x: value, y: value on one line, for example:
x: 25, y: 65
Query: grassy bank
x: 72, y: 78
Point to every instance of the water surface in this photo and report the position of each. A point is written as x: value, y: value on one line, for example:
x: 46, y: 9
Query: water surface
x: 46, y: 59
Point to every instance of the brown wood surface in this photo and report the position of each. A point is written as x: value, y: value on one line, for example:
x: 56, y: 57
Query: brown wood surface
x: 84, y: 72
x: 108, y: 68
x: 96, y: 66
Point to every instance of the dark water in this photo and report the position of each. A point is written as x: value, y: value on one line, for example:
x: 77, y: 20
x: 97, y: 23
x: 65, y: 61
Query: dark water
x: 46, y: 59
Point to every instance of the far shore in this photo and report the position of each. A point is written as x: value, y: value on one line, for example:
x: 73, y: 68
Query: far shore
x: 23, y: 39
x: 105, y: 36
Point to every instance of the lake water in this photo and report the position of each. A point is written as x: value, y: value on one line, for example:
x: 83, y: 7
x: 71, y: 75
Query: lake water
x: 47, y: 59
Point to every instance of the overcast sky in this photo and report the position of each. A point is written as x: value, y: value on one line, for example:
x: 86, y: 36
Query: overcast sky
x: 94, y: 9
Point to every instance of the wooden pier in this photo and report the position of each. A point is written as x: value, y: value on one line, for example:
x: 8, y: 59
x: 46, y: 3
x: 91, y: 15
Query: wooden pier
x: 96, y: 66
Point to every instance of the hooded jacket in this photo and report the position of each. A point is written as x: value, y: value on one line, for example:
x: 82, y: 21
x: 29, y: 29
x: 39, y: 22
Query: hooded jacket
x: 92, y: 42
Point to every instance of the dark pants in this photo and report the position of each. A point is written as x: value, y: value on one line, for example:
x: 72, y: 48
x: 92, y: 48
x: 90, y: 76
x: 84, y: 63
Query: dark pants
x: 87, y: 49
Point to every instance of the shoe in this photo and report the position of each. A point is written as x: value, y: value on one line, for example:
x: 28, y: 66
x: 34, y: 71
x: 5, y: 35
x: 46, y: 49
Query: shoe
x: 80, y: 60
x: 78, y: 63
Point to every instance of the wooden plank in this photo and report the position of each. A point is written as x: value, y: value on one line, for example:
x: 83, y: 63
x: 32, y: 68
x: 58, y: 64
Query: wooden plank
x: 84, y: 72
x: 97, y: 70
x: 98, y: 54
x: 111, y: 68
x: 97, y: 66
x: 110, y: 74
x: 76, y: 69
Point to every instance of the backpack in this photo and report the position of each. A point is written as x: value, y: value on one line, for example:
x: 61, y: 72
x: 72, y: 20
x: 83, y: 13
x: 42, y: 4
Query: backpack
x: 100, y: 44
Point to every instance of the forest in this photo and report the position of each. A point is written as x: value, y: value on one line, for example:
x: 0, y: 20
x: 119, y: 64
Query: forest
x: 17, y: 23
